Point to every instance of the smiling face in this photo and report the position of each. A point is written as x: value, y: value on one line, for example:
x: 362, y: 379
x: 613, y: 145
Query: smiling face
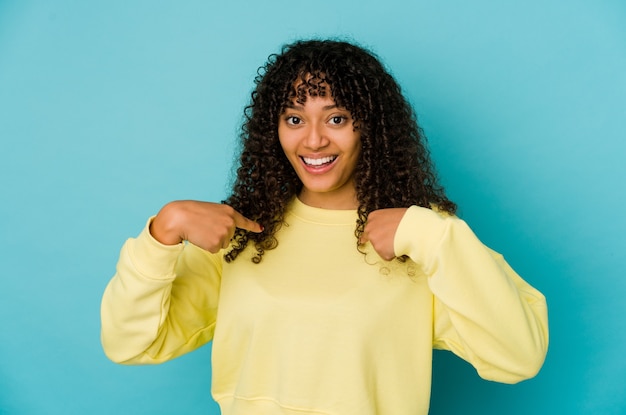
x: 322, y: 145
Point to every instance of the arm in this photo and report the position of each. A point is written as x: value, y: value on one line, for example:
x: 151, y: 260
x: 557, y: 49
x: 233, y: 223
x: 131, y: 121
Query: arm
x: 161, y: 303
x: 484, y: 312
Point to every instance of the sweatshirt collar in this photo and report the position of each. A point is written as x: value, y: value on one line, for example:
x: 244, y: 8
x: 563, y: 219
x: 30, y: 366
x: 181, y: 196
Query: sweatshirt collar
x: 321, y: 216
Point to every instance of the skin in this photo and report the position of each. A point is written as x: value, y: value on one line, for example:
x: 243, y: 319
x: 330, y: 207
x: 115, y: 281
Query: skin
x: 207, y: 225
x: 380, y: 231
x: 323, y: 147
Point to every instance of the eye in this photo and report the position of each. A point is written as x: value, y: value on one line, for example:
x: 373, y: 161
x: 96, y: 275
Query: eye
x: 293, y: 120
x: 337, y: 120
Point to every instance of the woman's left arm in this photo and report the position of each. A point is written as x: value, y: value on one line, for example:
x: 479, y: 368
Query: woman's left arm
x: 484, y: 311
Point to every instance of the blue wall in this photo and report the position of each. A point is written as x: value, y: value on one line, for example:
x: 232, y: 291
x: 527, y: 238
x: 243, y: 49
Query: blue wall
x: 109, y: 109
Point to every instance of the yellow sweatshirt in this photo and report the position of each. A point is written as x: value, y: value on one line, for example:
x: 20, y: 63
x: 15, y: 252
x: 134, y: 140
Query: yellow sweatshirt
x: 319, y: 328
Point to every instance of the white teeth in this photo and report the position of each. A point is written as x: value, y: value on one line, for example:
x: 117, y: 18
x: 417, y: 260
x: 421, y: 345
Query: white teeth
x: 319, y: 161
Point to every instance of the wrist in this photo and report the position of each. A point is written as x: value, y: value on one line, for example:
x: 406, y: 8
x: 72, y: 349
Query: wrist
x: 165, y: 227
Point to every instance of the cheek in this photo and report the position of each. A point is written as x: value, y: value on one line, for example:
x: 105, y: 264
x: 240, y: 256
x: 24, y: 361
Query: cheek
x: 289, y: 141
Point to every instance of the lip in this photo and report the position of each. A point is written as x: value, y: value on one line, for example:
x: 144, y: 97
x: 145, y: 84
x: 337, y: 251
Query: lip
x: 322, y: 168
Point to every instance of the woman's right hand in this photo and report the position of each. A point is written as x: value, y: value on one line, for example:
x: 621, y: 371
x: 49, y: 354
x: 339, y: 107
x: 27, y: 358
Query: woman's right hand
x: 207, y: 225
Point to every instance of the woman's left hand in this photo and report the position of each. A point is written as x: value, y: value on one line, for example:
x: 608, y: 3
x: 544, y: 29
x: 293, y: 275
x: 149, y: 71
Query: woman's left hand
x: 380, y: 230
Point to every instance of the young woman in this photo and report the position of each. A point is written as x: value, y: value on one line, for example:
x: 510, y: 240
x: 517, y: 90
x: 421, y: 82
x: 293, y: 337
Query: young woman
x: 335, y: 266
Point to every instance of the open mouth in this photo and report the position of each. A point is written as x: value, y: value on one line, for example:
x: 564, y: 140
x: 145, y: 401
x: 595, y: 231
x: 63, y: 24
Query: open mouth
x: 317, y: 162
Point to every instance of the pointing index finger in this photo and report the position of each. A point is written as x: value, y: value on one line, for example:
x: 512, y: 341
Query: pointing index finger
x: 244, y: 223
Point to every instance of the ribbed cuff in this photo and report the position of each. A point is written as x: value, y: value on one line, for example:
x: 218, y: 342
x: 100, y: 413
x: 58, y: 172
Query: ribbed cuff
x: 419, y: 233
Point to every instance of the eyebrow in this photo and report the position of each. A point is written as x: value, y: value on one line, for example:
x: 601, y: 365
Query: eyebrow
x: 301, y: 108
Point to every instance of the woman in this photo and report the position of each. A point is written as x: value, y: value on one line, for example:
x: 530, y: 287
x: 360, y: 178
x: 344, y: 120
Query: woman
x: 336, y: 265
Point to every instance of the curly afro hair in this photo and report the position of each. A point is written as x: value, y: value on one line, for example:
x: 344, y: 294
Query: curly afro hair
x: 394, y: 169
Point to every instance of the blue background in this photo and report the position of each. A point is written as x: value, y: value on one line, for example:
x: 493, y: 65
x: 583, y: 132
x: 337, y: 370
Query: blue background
x: 109, y: 109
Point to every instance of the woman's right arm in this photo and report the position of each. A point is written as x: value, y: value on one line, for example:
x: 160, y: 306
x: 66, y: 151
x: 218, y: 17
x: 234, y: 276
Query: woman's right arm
x: 162, y: 301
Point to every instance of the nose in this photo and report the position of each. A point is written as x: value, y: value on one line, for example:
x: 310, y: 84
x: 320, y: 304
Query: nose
x: 316, y: 137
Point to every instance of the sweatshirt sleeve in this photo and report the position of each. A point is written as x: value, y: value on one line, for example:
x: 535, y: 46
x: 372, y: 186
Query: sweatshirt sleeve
x: 483, y: 311
x: 161, y: 303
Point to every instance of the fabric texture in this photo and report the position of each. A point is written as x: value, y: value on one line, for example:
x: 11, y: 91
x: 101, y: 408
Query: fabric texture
x: 319, y: 327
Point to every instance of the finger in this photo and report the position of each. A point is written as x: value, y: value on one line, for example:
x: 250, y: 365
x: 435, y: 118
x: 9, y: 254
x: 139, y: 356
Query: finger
x: 244, y: 223
x: 363, y: 238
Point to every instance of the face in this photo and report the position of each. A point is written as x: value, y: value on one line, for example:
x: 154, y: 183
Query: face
x: 321, y: 144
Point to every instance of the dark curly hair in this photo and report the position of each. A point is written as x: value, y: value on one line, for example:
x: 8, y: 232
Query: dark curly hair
x: 394, y: 168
